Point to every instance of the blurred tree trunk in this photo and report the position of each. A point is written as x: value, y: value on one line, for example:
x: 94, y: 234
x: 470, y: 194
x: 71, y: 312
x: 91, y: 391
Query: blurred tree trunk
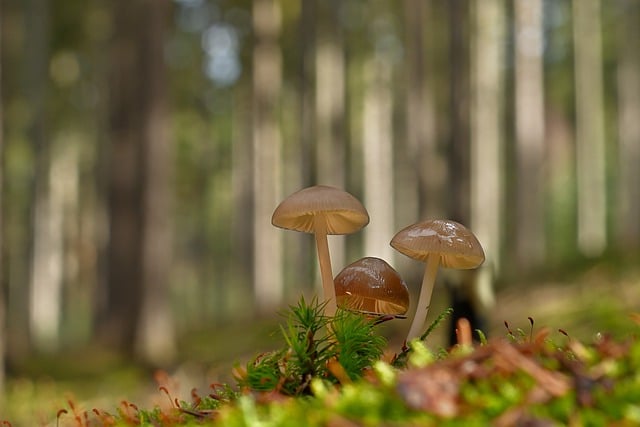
x: 242, y: 244
x: 17, y: 209
x: 377, y: 150
x: 458, y: 149
x: 46, y: 273
x: 530, y: 133
x: 48, y: 250
x: 155, y: 329
x: 303, y: 260
x: 422, y: 138
x: 330, y: 109
x: 3, y: 310
x: 628, y: 79
x: 306, y: 85
x: 137, y: 316
x: 267, y: 76
x: 487, y: 126
x: 590, y: 132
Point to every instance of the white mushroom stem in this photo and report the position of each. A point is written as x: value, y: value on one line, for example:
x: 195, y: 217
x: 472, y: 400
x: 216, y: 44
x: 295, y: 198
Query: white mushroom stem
x: 424, y: 300
x: 325, y: 266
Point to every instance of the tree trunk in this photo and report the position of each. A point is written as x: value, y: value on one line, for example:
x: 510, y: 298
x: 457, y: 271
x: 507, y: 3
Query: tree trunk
x: 17, y: 215
x: 3, y: 311
x: 45, y: 274
x: 304, y: 258
x: 155, y: 329
x: 242, y: 244
x: 428, y: 163
x: 628, y: 79
x: 330, y: 109
x: 590, y: 132
x: 48, y: 256
x: 137, y: 316
x: 267, y: 76
x: 378, y: 157
x: 530, y: 133
x: 458, y: 149
x: 487, y: 127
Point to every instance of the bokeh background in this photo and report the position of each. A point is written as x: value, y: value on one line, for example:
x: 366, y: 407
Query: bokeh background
x: 146, y: 143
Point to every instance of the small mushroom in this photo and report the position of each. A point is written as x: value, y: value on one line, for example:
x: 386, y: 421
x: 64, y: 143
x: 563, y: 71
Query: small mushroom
x: 322, y: 210
x: 372, y: 286
x: 436, y: 242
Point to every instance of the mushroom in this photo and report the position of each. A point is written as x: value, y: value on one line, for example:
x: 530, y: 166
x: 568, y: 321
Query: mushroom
x: 322, y: 210
x: 436, y: 242
x: 372, y: 286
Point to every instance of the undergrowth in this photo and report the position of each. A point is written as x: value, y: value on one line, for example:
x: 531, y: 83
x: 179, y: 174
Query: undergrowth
x: 333, y: 372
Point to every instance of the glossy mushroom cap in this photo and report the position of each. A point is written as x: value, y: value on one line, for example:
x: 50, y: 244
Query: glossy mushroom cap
x: 453, y: 242
x: 342, y: 213
x: 371, y: 285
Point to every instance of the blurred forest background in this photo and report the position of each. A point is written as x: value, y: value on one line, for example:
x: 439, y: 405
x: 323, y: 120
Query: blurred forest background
x: 146, y: 143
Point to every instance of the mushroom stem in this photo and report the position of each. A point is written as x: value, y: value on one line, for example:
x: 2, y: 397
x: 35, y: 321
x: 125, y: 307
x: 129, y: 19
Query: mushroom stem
x: 424, y: 300
x: 325, y: 267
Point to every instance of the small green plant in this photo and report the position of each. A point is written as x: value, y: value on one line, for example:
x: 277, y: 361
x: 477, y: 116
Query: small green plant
x: 337, y: 349
x: 400, y: 360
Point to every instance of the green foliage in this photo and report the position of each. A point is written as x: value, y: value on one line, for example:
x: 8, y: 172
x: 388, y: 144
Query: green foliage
x: 401, y: 359
x: 356, y: 345
x: 332, y: 372
x: 317, y: 347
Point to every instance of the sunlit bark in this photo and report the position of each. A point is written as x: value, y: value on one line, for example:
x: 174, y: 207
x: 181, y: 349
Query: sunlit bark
x: 590, y: 132
x: 48, y: 257
x: 330, y: 109
x: 487, y: 126
x: 267, y: 76
x: 377, y: 150
x: 46, y: 268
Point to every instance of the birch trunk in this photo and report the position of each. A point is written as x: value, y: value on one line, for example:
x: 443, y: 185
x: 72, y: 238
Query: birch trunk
x: 590, y: 132
x: 530, y: 133
x: 46, y: 273
x: 267, y: 76
x: 487, y: 126
x: 330, y: 110
x: 377, y: 149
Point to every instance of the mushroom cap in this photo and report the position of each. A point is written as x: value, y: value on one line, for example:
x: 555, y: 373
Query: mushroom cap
x: 341, y: 212
x: 371, y: 285
x: 456, y: 245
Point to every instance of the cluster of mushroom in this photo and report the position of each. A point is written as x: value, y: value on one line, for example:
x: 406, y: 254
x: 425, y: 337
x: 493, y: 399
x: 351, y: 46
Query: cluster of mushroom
x: 371, y: 285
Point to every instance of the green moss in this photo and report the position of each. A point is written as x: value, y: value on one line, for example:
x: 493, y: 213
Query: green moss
x: 331, y: 372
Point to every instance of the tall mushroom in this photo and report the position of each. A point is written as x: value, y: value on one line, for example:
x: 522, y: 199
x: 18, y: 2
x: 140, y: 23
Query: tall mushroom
x: 436, y: 242
x: 322, y: 210
x: 370, y: 285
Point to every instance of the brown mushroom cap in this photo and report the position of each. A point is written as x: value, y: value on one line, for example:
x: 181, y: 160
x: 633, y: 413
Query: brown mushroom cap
x: 342, y: 213
x: 456, y: 245
x: 371, y: 285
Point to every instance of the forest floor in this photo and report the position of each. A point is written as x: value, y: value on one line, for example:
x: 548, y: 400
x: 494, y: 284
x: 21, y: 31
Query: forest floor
x: 597, y: 299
